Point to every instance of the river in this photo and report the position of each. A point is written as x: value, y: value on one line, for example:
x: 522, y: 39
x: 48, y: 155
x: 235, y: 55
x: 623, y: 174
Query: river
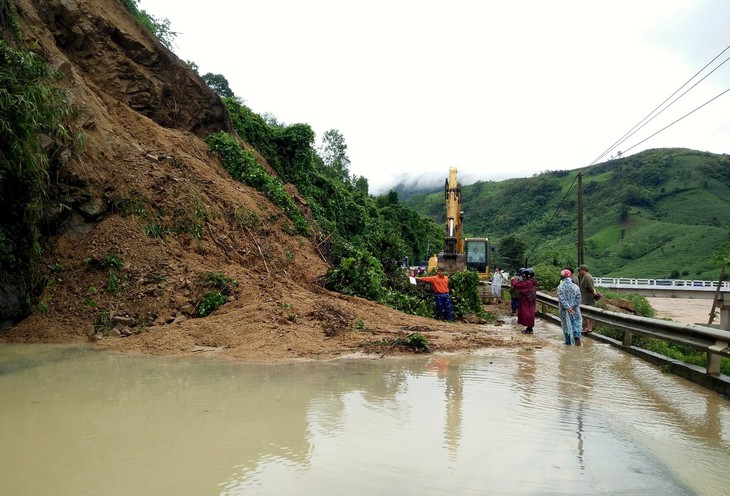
x: 551, y: 420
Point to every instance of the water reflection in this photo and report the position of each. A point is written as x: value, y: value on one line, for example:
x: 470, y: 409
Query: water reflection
x: 556, y: 420
x: 450, y: 378
x: 574, y: 382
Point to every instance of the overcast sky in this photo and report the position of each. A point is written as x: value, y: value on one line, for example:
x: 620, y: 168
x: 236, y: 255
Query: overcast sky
x: 498, y: 89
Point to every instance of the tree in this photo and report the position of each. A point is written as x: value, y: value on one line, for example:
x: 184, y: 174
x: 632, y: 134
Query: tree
x: 333, y: 151
x: 389, y: 198
x: 193, y: 66
x: 219, y: 84
x: 159, y: 28
x: 361, y: 184
x: 623, y: 214
x: 512, y: 252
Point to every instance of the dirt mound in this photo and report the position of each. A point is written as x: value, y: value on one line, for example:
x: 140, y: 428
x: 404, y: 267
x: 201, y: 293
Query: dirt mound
x: 144, y: 219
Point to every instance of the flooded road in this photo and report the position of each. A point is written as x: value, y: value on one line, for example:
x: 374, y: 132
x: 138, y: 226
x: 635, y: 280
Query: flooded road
x: 555, y: 420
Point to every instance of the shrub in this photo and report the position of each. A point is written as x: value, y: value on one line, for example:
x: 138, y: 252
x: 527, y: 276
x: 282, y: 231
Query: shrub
x: 242, y: 166
x: 210, y: 302
x: 222, y: 282
x: 159, y: 28
x: 417, y: 342
x: 464, y: 290
x: 31, y: 110
x: 359, y: 275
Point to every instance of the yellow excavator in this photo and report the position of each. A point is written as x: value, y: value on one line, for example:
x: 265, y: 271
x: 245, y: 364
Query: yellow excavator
x: 459, y: 253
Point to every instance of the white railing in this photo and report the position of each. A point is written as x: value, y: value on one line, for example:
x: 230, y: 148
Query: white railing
x: 634, y: 283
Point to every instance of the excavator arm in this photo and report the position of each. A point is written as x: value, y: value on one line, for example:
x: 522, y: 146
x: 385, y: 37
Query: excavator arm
x: 459, y: 253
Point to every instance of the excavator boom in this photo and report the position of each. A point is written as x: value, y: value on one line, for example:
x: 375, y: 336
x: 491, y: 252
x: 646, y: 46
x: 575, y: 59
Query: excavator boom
x: 459, y: 253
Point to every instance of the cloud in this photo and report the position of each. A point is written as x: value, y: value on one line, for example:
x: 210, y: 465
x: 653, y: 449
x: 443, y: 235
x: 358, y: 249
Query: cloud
x: 497, y: 89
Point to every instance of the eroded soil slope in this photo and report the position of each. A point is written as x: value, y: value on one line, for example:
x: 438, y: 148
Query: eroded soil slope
x: 142, y: 214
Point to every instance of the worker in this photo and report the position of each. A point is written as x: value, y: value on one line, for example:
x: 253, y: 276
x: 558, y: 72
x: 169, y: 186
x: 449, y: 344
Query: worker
x: 440, y: 284
x: 569, y: 305
x: 497, y: 279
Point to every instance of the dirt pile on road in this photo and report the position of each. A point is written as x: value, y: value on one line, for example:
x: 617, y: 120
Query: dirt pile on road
x: 144, y: 220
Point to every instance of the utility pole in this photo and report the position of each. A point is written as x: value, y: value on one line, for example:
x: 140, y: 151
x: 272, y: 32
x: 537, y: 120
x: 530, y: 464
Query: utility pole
x: 581, y: 261
x: 717, y: 296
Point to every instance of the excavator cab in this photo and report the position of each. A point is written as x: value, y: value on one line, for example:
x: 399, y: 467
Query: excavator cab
x: 477, y: 255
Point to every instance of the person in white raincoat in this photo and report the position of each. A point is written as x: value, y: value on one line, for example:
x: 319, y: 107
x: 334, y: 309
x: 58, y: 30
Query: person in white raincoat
x: 497, y: 279
x: 571, y: 319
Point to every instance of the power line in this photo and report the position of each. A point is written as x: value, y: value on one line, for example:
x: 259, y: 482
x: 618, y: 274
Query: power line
x: 557, y: 209
x: 642, y: 123
x: 674, y: 101
x: 631, y: 131
x: 685, y: 115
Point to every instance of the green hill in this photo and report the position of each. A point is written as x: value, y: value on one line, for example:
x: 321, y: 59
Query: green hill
x: 659, y: 213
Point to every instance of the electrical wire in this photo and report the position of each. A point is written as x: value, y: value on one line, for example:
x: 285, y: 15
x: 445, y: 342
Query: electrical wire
x: 641, y: 123
x: 665, y: 108
x: 648, y: 118
x: 685, y: 115
x: 557, y: 209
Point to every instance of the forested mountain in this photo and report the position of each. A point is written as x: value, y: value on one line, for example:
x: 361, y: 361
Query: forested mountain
x: 658, y: 213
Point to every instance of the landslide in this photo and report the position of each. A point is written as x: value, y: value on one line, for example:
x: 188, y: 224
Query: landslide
x: 141, y: 215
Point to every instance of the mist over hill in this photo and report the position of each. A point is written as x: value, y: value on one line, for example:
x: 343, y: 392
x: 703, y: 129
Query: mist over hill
x: 413, y: 183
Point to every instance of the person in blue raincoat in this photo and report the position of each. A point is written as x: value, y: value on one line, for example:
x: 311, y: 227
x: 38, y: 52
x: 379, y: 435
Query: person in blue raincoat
x: 571, y: 319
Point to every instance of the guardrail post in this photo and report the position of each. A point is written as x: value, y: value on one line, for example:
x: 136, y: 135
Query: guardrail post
x: 628, y: 337
x: 713, y: 360
x: 724, y: 300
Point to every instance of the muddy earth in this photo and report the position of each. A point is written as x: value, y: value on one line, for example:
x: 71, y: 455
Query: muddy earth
x: 142, y: 214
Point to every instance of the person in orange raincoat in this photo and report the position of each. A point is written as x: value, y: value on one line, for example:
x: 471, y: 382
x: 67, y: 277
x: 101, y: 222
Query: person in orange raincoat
x: 440, y: 283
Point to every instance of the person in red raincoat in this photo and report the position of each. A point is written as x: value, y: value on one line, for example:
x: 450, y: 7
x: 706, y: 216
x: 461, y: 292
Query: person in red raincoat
x: 527, y: 287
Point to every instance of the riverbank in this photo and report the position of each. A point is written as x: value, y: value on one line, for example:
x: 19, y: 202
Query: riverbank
x: 683, y: 310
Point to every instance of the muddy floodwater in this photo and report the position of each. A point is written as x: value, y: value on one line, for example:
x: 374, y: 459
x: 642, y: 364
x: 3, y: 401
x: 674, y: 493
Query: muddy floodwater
x: 555, y: 420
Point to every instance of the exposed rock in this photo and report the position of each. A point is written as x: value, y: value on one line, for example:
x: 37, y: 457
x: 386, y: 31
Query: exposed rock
x: 10, y: 306
x: 123, y: 320
x: 93, y: 209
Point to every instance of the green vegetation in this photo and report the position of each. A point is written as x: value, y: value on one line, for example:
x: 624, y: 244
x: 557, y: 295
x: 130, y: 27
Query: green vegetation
x: 359, y: 274
x: 242, y: 166
x: 222, y: 287
x: 159, y: 28
x: 671, y: 350
x: 34, y: 120
x: 222, y: 282
x: 363, y: 238
x: 641, y: 211
x: 210, y: 302
x: 660, y: 213
x: 113, y: 265
x: 218, y: 83
x: 102, y: 322
x: 464, y: 290
x: 415, y: 341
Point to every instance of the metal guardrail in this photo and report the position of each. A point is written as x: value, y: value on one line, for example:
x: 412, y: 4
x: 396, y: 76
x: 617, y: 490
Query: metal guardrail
x: 714, y: 342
